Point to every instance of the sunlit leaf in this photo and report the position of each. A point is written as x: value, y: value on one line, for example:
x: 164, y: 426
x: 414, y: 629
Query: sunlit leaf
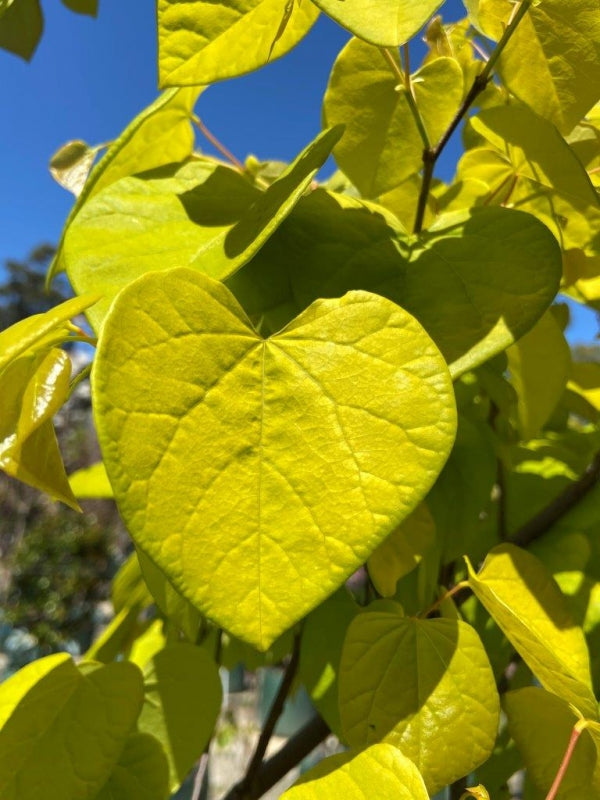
x: 528, y: 606
x: 91, y: 482
x: 399, y: 677
x: 354, y: 776
x: 198, y: 44
x: 291, y: 420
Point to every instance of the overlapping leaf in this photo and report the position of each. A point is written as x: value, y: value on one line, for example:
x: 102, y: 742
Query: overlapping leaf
x: 386, y: 23
x: 401, y: 677
x: 528, y: 606
x: 381, y: 145
x: 65, y: 730
x: 142, y: 772
x: 204, y: 215
x: 477, y: 281
x: 199, y: 44
x: 324, y: 468
x: 355, y: 776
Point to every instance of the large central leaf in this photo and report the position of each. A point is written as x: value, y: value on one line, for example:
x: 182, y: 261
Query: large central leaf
x: 258, y: 474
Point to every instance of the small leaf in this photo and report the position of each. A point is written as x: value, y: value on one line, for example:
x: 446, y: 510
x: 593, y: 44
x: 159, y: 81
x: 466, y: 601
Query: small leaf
x: 400, y: 677
x: 354, y: 776
x: 21, y: 26
x: 300, y: 432
x: 89, y: 7
x: 182, y: 702
x: 128, y: 586
x: 63, y: 729
x: 541, y: 724
x: 198, y: 47
x: 528, y: 606
x: 71, y: 164
x: 381, y: 145
x: 91, y: 482
x: 402, y: 551
x: 387, y: 23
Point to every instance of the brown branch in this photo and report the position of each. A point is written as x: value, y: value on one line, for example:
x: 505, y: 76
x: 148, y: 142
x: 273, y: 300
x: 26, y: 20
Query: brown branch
x: 276, y: 767
x: 561, y: 505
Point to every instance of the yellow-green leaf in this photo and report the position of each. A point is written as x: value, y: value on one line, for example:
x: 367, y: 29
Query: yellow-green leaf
x: 355, y: 776
x: 33, y: 388
x: 539, y: 365
x: 381, y: 145
x: 203, y: 215
x: 585, y: 380
x: 527, y: 605
x: 21, y: 25
x: 142, y: 772
x: 182, y: 701
x: 128, y: 585
x: 424, y: 686
x: 200, y: 43
x: 117, y: 637
x: 402, y: 551
x: 552, y: 61
x: 64, y: 730
x: 541, y: 724
x: 160, y: 134
x: 272, y: 442
x: 91, y: 482
x: 71, y: 164
x: 386, y: 23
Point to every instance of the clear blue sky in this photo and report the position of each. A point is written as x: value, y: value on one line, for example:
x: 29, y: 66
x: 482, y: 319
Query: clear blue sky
x: 90, y: 77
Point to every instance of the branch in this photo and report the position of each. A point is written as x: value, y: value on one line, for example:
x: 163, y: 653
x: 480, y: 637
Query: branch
x: 431, y: 154
x: 290, y: 755
x: 561, y: 505
x: 247, y: 782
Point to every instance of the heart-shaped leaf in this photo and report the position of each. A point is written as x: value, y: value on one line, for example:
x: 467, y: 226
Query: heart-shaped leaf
x: 258, y: 474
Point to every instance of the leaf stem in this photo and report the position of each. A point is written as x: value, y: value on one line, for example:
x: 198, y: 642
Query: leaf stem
x: 81, y: 376
x: 247, y: 781
x: 431, y: 154
x: 225, y: 152
x: 450, y: 593
x: 577, y: 729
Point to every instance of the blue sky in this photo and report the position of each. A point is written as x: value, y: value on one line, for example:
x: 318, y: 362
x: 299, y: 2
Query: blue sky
x: 90, y: 77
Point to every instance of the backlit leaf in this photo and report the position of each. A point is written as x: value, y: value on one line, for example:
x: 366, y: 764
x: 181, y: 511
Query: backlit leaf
x: 528, y: 606
x: 381, y: 145
x: 290, y: 421
x: 424, y: 686
x: 354, y: 776
x: 382, y: 22
x: 64, y: 730
x: 204, y: 215
x: 142, y: 772
x: 539, y: 365
x: 91, y: 482
x: 21, y: 26
x: 70, y: 165
x: 199, y: 43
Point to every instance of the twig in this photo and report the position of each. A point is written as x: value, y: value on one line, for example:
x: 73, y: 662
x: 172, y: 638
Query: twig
x: 404, y: 78
x: 200, y: 775
x: 561, y: 505
x: 446, y: 596
x: 227, y: 154
x: 291, y: 754
x: 247, y: 782
x: 431, y: 154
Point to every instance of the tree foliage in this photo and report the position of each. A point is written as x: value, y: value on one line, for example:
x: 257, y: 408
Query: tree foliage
x: 298, y: 382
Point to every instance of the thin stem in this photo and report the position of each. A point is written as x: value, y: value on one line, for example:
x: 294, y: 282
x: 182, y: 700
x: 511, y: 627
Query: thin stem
x: 406, y: 67
x: 561, y: 505
x: 81, y: 376
x: 579, y: 726
x: 446, y: 596
x: 200, y: 775
x: 227, y: 154
x: 431, y: 155
x: 271, y: 721
x: 404, y: 78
